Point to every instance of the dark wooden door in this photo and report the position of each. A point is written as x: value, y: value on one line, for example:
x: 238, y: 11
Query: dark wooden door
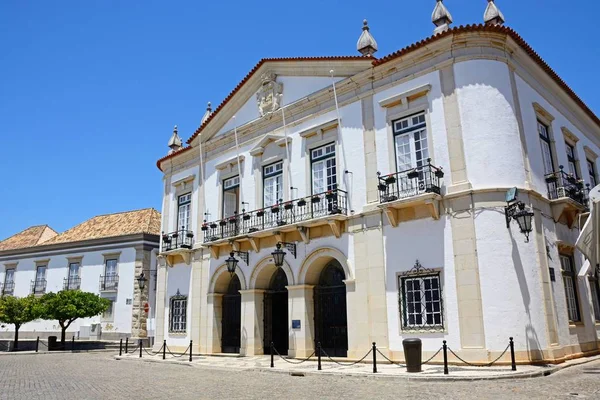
x: 232, y: 316
x: 276, y: 314
x: 331, y: 322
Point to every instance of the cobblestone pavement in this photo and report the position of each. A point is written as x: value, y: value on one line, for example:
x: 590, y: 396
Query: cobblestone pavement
x: 99, y: 376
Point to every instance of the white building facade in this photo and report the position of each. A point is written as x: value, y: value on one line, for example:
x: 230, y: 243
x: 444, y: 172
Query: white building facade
x: 105, y: 255
x: 392, y: 212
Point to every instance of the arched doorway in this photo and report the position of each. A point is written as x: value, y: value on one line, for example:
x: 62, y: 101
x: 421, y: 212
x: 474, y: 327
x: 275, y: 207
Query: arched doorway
x: 232, y: 315
x: 331, y: 322
x: 276, y: 314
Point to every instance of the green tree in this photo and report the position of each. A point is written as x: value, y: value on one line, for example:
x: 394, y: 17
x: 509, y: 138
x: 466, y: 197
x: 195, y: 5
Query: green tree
x: 68, y: 305
x: 18, y: 311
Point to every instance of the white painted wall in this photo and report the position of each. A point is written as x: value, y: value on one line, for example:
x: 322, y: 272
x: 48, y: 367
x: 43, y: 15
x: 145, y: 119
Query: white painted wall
x: 92, y: 267
x: 178, y: 279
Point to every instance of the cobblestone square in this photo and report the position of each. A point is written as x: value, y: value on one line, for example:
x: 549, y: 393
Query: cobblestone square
x: 100, y: 376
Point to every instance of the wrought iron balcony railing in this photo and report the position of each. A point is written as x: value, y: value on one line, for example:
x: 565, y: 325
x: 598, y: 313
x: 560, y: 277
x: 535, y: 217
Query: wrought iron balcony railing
x: 318, y: 205
x: 561, y: 184
x: 109, y: 282
x: 181, y: 239
x: 9, y: 288
x: 409, y: 183
x: 72, y: 283
x: 38, y: 286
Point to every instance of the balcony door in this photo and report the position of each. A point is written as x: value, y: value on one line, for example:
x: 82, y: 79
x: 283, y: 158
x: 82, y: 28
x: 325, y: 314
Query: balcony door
x: 110, y: 274
x: 273, y: 184
x: 324, y: 170
x: 73, y: 282
x: 184, y: 212
x: 231, y: 196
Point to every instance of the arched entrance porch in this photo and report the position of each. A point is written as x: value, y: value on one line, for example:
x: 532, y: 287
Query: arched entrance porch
x: 276, y: 314
x: 331, y: 320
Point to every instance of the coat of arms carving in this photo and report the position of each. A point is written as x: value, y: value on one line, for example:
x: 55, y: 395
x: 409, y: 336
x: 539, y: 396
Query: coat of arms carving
x: 269, y: 95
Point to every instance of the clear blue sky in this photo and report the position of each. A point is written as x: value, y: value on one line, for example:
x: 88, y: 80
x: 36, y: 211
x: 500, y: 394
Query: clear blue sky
x: 90, y: 90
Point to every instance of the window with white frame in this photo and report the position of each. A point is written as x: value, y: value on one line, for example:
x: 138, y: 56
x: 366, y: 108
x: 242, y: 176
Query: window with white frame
x: 73, y: 280
x: 592, y: 172
x: 323, y: 168
x: 40, y: 279
x: 421, y: 304
x: 184, y: 210
x: 410, y: 142
x: 9, y: 281
x: 178, y: 310
x: 572, y: 160
x: 272, y: 184
x: 231, y: 196
x: 570, y: 282
x: 545, y: 142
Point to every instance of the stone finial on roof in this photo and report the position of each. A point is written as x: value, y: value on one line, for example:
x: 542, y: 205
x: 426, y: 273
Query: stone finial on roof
x: 492, y: 15
x: 175, y: 141
x: 441, y: 17
x: 206, y: 113
x: 366, y: 45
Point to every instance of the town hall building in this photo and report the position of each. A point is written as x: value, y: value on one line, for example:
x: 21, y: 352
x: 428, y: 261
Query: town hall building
x: 436, y: 192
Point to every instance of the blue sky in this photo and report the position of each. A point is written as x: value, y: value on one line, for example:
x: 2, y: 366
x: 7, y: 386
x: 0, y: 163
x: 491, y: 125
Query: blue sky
x: 90, y: 90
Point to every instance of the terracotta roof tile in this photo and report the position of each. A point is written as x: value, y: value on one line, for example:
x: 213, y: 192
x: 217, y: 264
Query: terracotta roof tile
x: 30, y: 237
x: 120, y: 224
x: 406, y: 50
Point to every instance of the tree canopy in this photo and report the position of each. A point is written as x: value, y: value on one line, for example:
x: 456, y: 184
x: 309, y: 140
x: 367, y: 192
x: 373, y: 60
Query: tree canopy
x: 68, y: 305
x: 19, y: 310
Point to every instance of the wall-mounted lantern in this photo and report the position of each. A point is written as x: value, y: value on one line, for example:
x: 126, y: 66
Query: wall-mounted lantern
x: 516, y: 210
x: 279, y: 255
x: 232, y: 262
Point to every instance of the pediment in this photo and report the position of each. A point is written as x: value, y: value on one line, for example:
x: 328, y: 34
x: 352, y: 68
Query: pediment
x: 255, y: 96
x: 267, y: 139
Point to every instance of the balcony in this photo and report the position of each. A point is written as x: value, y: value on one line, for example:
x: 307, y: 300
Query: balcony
x: 181, y: 239
x: 567, y: 194
x: 327, y: 208
x: 9, y: 288
x: 72, y: 283
x: 109, y: 283
x: 38, y: 286
x: 411, y: 194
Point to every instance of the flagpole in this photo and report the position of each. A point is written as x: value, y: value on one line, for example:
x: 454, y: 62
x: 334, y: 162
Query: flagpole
x: 287, y: 153
x: 339, y: 138
x: 237, y: 149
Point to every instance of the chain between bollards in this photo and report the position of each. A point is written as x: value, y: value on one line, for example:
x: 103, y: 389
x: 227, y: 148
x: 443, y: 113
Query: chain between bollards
x: 272, y: 356
x: 512, y: 354
x: 164, y: 349
x: 319, y: 356
x: 374, y: 358
x: 140, y: 345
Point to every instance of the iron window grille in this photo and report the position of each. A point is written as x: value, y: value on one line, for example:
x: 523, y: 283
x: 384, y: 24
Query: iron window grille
x: 421, y: 301
x: 72, y: 283
x: 178, y: 313
x: 9, y: 288
x: 109, y: 282
x: 38, y: 286
x: 570, y: 282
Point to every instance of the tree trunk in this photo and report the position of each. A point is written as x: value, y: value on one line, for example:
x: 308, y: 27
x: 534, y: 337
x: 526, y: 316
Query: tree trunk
x: 16, y: 345
x: 63, y: 333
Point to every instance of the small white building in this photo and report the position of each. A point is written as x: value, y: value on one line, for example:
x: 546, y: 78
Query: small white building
x: 103, y: 255
x: 392, y: 211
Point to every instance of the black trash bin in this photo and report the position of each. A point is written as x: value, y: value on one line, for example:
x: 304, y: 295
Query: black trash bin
x: 412, y: 354
x: 52, y: 343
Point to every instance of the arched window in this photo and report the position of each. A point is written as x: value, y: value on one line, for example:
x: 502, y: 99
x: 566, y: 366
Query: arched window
x: 178, y: 313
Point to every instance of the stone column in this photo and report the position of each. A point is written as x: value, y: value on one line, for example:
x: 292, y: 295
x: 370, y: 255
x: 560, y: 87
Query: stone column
x: 195, y: 300
x: 161, y: 288
x: 140, y: 296
x: 301, y: 307
x: 370, y: 148
x: 214, y: 314
x: 252, y: 322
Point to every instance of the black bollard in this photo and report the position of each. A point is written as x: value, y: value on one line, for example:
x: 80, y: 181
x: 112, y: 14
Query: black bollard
x: 374, y: 358
x: 445, y: 347
x: 140, y: 343
x: 164, y: 348
x: 126, y: 344
x: 272, y: 356
x: 121, y: 347
x: 191, y: 351
x: 319, y: 356
x: 37, y: 344
x: 72, y: 343
x: 512, y: 354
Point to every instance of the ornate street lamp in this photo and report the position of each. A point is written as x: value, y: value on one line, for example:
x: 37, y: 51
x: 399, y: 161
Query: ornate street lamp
x: 279, y: 255
x: 142, y: 281
x: 516, y: 210
x: 232, y: 262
